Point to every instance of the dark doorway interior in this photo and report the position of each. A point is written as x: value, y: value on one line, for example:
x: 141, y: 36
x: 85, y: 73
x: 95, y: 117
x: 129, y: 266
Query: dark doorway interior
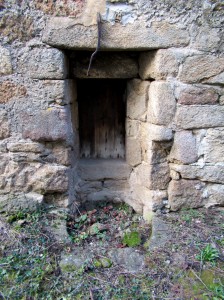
x: 102, y: 110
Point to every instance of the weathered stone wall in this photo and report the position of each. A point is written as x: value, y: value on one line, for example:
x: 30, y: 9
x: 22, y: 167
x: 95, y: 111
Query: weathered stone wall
x: 175, y: 126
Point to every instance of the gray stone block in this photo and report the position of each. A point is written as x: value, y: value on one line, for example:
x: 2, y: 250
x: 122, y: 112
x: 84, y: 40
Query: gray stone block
x: 198, y: 116
x: 43, y: 63
x: 69, y: 33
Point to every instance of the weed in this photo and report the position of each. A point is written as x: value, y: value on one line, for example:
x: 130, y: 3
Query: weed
x: 131, y: 239
x: 208, y: 254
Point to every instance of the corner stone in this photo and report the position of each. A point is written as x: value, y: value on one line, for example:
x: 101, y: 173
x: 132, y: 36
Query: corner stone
x: 44, y: 64
x: 158, y: 64
x: 162, y: 103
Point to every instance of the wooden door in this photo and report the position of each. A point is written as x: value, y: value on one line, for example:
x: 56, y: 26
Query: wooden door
x: 102, y: 110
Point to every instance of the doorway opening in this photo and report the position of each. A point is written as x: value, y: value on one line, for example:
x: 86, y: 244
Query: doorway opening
x: 102, y: 112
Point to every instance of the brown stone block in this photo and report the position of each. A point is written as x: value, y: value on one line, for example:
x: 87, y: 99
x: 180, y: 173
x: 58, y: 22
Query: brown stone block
x: 9, y: 90
x: 197, y: 95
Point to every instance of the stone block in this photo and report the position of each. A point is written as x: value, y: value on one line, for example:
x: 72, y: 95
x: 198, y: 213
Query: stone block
x: 133, y: 151
x: 215, y: 195
x: 57, y: 91
x: 156, y: 133
x: 5, y: 62
x: 153, y: 177
x: 207, y: 173
x: 62, y: 155
x: 49, y: 179
x: 132, y: 128
x: 218, y: 79
x: 206, y: 38
x: 221, y: 100
x: 103, y: 169
x: 4, y: 125
x: 25, y: 146
x: 200, y: 68
x: 158, y: 64
x: 185, y: 194
x: 44, y: 64
x: 197, y: 116
x: 154, y: 152
x: 47, y: 125
x: 193, y: 95
x: 20, y: 201
x: 137, y: 95
x: 162, y: 103
x: 71, y: 34
x: 212, y: 146
x: 106, y: 65
x: 184, y: 148
x: 10, y: 90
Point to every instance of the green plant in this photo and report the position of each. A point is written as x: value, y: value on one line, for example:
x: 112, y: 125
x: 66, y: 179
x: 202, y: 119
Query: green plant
x: 131, y: 239
x: 209, y: 254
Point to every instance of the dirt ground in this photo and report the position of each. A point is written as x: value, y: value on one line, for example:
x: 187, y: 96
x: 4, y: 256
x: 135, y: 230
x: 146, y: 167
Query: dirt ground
x: 112, y: 253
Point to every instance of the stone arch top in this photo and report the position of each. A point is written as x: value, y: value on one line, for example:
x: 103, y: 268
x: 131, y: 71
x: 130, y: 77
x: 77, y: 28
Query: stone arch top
x: 70, y: 33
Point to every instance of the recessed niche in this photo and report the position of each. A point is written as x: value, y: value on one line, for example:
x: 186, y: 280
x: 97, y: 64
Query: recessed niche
x: 102, y: 111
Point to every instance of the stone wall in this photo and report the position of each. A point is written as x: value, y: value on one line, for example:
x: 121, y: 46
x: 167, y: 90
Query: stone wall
x: 175, y: 123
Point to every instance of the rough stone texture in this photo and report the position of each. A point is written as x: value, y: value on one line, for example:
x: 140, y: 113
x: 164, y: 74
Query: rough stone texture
x: 101, y: 169
x: 184, y: 148
x: 9, y: 90
x: 137, y: 97
x: 197, y: 116
x: 17, y: 202
x: 214, y: 173
x: 161, y: 233
x: 133, y: 151
x: 185, y: 194
x: 215, y: 195
x: 4, y: 125
x: 37, y: 105
x: 212, y: 146
x: 158, y: 64
x: 156, y: 133
x: 162, y: 104
x: 49, y: 179
x: 69, y: 33
x: 44, y: 64
x: 153, y: 176
x: 106, y: 65
x: 218, y: 79
x: 191, y: 95
x: 24, y: 146
x: 129, y: 258
x: 5, y: 62
x: 48, y: 125
x: 200, y: 68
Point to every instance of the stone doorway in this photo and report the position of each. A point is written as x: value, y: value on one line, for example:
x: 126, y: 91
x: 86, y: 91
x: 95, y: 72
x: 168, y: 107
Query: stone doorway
x: 121, y: 155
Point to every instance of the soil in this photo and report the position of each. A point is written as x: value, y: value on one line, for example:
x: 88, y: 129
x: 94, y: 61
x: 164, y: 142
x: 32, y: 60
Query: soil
x: 179, y: 256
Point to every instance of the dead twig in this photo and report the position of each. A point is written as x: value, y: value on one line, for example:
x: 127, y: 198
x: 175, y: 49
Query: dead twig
x: 99, y: 25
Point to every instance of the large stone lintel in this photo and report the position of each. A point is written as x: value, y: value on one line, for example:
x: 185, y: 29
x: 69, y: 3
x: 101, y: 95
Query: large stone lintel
x: 69, y: 33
